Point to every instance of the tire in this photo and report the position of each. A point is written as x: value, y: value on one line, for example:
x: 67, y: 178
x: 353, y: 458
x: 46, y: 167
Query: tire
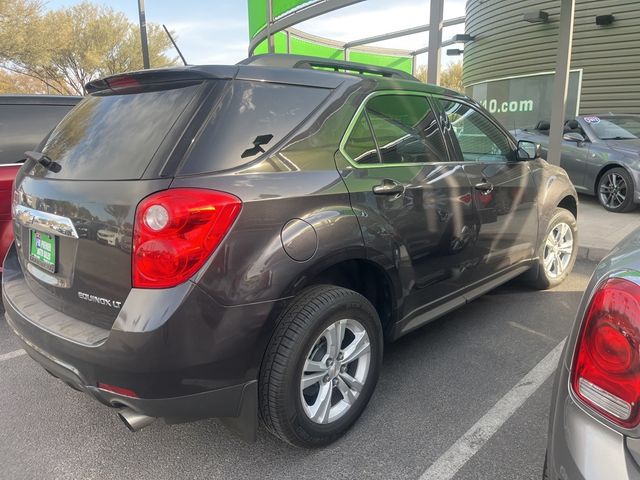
x: 548, y: 275
x: 616, y: 191
x: 301, y: 337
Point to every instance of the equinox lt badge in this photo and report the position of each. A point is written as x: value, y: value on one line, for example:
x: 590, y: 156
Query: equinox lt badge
x: 100, y: 300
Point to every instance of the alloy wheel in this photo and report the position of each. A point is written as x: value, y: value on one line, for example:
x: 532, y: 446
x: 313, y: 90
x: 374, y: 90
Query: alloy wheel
x: 335, y: 370
x: 558, y: 249
x: 613, y: 190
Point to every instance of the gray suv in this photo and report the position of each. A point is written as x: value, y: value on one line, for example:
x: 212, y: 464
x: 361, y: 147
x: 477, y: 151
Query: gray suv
x: 239, y: 241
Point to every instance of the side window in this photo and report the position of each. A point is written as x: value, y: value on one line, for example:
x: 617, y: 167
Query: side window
x: 479, y: 139
x: 360, y: 145
x: 406, y: 129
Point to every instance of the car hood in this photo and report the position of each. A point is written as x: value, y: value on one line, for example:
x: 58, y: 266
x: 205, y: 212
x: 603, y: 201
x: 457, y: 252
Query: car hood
x: 625, y: 146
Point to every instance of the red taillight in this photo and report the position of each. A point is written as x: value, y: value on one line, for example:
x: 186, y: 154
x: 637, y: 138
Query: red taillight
x: 118, y: 390
x: 606, y: 366
x: 176, y: 231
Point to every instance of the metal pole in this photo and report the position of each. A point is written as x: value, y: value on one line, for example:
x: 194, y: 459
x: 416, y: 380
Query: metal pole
x: 414, y: 66
x: 561, y: 80
x: 270, y: 44
x: 143, y: 35
x: 436, y: 12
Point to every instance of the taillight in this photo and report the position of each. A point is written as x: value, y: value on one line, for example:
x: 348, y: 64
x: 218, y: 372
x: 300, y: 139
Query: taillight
x: 176, y: 231
x: 606, y: 366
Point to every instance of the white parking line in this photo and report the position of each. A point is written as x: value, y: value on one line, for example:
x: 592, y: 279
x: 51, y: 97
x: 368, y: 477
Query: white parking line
x: 15, y: 353
x: 530, y: 330
x: 445, y: 467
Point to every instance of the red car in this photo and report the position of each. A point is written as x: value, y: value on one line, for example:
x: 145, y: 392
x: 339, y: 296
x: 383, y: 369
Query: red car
x: 24, y: 122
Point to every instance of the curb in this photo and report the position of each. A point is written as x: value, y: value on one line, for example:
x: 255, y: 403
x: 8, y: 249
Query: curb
x: 594, y: 254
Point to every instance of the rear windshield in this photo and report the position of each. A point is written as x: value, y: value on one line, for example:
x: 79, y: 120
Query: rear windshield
x: 114, y: 137
x: 250, y: 118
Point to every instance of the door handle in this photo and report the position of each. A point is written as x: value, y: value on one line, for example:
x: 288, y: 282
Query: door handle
x: 485, y: 188
x: 389, y: 187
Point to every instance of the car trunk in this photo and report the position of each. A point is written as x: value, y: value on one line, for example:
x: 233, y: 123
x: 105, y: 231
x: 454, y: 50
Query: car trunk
x: 74, y: 216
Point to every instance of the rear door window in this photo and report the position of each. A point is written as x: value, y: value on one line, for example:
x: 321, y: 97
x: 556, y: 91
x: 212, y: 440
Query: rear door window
x: 406, y: 129
x: 249, y: 119
x: 114, y: 137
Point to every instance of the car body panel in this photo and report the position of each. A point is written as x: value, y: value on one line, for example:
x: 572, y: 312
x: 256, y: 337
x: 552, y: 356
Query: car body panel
x: 583, y: 444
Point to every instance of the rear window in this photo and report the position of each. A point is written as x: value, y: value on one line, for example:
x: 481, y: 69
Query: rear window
x: 249, y: 119
x: 114, y: 137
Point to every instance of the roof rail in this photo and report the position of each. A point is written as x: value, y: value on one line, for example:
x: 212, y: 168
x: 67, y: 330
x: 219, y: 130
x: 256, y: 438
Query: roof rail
x: 300, y: 61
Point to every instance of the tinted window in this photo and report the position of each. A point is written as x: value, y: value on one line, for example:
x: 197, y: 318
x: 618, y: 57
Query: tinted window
x: 250, y: 118
x: 360, y: 146
x: 479, y: 139
x: 406, y: 129
x: 23, y: 127
x: 114, y: 137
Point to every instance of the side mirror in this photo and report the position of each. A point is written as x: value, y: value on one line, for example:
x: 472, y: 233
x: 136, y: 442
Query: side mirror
x: 528, y: 150
x: 573, y: 137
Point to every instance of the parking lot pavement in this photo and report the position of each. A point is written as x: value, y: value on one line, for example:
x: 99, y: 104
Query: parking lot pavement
x: 436, y: 383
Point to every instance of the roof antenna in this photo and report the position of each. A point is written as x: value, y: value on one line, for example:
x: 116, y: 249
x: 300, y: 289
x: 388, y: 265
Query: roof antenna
x: 175, y: 45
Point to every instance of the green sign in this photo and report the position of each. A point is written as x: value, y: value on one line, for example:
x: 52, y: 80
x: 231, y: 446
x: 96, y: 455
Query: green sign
x: 258, y: 13
x: 43, y: 250
x: 522, y: 101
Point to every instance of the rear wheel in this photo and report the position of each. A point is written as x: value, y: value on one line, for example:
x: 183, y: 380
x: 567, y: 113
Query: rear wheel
x: 616, y: 191
x: 321, y: 367
x: 557, y: 252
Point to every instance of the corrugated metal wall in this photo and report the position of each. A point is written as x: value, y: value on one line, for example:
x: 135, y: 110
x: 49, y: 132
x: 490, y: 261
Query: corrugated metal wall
x: 506, y: 45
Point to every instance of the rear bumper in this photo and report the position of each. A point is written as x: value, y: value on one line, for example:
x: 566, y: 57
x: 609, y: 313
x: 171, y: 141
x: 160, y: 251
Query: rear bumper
x: 185, y: 356
x: 582, y: 448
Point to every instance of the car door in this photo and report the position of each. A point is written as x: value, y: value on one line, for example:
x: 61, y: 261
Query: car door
x: 504, y: 191
x: 414, y: 205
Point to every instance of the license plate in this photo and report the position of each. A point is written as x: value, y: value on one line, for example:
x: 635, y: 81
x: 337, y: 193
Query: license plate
x: 43, y: 251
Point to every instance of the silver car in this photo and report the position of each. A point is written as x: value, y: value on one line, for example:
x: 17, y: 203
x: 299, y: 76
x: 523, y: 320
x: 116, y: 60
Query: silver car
x: 601, y: 154
x: 594, y: 429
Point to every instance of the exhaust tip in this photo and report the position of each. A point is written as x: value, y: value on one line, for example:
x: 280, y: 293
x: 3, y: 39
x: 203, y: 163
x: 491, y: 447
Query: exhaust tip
x: 134, y: 421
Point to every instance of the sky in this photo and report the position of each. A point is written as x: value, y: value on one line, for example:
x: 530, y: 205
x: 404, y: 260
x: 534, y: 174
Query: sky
x: 216, y: 31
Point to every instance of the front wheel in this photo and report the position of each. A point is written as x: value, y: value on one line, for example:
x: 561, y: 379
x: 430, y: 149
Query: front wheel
x: 557, y: 252
x: 321, y: 366
x: 615, y: 191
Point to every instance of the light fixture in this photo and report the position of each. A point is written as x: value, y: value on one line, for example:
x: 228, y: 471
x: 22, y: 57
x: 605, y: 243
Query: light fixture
x: 462, y: 38
x: 537, y: 16
x: 452, y: 52
x: 602, y: 20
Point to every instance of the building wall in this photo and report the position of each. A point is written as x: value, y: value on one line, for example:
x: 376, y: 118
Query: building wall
x: 506, y: 45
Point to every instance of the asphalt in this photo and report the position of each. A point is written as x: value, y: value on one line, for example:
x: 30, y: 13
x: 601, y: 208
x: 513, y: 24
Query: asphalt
x: 435, y: 384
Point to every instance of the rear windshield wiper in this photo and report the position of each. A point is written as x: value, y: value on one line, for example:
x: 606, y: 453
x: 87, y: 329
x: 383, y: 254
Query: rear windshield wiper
x: 43, y: 160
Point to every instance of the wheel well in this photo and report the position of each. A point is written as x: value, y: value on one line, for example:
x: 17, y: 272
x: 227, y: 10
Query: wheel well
x: 368, y: 280
x: 569, y: 203
x: 601, y: 173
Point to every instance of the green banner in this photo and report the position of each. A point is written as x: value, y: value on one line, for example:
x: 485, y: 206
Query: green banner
x: 299, y: 46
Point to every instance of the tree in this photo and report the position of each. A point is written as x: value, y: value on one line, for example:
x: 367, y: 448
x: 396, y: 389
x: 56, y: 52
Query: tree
x: 17, y: 83
x: 450, y: 77
x: 67, y: 48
